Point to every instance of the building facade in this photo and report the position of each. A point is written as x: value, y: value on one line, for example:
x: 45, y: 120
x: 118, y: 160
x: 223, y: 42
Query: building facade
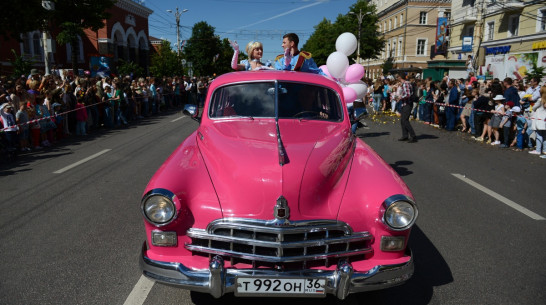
x: 124, y: 36
x: 505, y: 38
x: 409, y: 28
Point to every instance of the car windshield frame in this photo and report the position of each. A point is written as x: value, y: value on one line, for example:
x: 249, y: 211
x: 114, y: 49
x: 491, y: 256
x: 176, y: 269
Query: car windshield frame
x: 261, y: 99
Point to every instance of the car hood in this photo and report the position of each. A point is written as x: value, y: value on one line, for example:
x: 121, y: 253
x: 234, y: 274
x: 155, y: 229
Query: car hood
x: 242, y: 160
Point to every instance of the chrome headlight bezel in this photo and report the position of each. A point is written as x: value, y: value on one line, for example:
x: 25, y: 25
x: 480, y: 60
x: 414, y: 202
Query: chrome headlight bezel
x: 165, y: 197
x: 394, y: 204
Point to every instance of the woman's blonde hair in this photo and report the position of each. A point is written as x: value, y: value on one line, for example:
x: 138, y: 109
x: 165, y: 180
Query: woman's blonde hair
x: 251, y: 46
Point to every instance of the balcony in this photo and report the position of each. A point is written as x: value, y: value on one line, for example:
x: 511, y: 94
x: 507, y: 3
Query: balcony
x: 465, y: 15
x: 503, y: 6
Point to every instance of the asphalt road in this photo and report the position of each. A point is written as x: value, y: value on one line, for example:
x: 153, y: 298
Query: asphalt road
x: 72, y: 235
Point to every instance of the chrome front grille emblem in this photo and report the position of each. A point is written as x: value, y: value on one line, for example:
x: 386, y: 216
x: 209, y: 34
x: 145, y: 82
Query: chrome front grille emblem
x: 281, y: 210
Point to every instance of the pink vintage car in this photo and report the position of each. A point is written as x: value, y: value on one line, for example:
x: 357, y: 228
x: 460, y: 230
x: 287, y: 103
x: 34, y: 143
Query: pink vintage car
x: 273, y: 195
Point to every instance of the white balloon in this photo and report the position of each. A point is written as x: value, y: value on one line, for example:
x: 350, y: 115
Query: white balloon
x: 360, y: 87
x: 337, y: 64
x: 346, y: 43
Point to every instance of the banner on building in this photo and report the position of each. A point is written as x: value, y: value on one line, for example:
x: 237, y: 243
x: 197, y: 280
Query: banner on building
x: 441, y: 36
x: 515, y: 66
x: 100, y: 66
x: 467, y: 43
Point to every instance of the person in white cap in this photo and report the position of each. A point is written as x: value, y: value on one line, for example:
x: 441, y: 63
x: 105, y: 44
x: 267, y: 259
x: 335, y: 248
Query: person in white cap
x: 9, y: 125
x: 497, y: 118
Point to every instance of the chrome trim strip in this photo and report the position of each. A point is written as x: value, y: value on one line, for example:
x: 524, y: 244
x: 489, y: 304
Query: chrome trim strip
x: 268, y: 226
x: 339, y: 282
x: 159, y: 192
x: 277, y: 259
x: 396, y: 198
x: 285, y: 244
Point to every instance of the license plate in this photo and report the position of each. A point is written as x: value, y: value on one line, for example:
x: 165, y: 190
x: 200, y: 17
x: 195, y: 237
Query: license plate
x: 279, y: 286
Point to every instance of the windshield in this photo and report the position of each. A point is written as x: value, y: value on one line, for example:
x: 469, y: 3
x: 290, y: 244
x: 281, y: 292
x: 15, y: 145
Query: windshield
x: 296, y: 101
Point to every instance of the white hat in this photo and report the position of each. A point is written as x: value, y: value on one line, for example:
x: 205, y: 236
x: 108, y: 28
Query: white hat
x: 516, y: 109
x: 5, y: 105
x: 498, y: 97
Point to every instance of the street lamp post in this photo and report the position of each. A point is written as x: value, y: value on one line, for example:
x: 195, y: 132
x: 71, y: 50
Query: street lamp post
x: 177, y: 16
x: 359, y: 16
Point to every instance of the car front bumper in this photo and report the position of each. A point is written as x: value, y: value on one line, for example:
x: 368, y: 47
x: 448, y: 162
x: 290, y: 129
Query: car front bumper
x: 218, y: 280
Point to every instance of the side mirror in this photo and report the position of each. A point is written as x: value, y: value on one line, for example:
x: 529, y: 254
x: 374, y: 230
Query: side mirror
x: 192, y: 111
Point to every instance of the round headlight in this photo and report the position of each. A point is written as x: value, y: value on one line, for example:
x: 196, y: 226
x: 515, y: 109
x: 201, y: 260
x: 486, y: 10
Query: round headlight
x: 158, y: 209
x: 400, y: 215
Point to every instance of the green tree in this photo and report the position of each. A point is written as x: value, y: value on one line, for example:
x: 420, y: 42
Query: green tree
x: 21, y: 66
x: 223, y: 63
x: 537, y: 72
x: 20, y: 17
x: 201, y: 49
x: 73, y: 17
x: 130, y: 67
x: 322, y: 42
x: 387, y: 65
x: 166, y: 62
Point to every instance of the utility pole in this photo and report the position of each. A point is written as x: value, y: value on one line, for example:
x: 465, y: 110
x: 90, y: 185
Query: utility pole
x: 359, y: 17
x: 177, y: 16
x: 48, y: 5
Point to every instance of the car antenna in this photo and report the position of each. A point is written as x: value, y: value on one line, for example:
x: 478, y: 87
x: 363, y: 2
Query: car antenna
x: 283, y: 157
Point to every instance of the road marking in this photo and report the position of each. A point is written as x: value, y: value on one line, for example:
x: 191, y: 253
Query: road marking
x: 62, y: 170
x: 140, y: 291
x: 178, y: 118
x: 501, y: 198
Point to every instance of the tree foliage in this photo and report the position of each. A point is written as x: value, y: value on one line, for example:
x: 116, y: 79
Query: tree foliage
x: 202, y: 49
x: 130, y: 68
x: 166, y: 62
x: 74, y: 16
x: 21, y: 66
x: 322, y: 42
x: 387, y: 65
x: 223, y: 62
x: 20, y: 17
x: 536, y: 72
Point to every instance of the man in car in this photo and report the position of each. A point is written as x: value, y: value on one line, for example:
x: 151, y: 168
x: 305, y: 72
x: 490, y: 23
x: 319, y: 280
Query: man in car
x: 294, y: 59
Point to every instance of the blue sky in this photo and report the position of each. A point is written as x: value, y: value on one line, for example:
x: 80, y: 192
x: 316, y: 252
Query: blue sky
x: 245, y: 20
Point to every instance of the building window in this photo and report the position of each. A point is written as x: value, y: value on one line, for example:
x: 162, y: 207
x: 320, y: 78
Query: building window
x: 490, y: 30
x: 385, y: 26
x: 393, y: 51
x: 36, y: 45
x: 26, y: 44
x: 401, y: 19
x: 395, y: 21
x: 541, y: 20
x: 399, y: 47
x: 513, y: 25
x: 470, y: 31
x: 447, y: 15
x: 421, y: 47
x: 390, y: 24
x: 423, y: 18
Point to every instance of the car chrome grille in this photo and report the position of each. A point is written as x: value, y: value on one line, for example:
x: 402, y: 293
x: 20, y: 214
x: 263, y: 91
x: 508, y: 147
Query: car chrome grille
x: 300, y: 244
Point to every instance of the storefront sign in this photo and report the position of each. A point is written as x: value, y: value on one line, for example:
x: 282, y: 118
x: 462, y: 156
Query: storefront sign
x: 467, y: 43
x: 497, y: 50
x: 539, y: 45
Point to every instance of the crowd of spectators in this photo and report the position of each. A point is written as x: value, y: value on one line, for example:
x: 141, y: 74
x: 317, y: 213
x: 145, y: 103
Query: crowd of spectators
x: 39, y: 111
x: 508, y: 113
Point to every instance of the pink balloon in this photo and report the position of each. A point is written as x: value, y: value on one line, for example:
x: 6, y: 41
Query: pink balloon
x: 324, y: 69
x: 354, y: 73
x: 349, y: 94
